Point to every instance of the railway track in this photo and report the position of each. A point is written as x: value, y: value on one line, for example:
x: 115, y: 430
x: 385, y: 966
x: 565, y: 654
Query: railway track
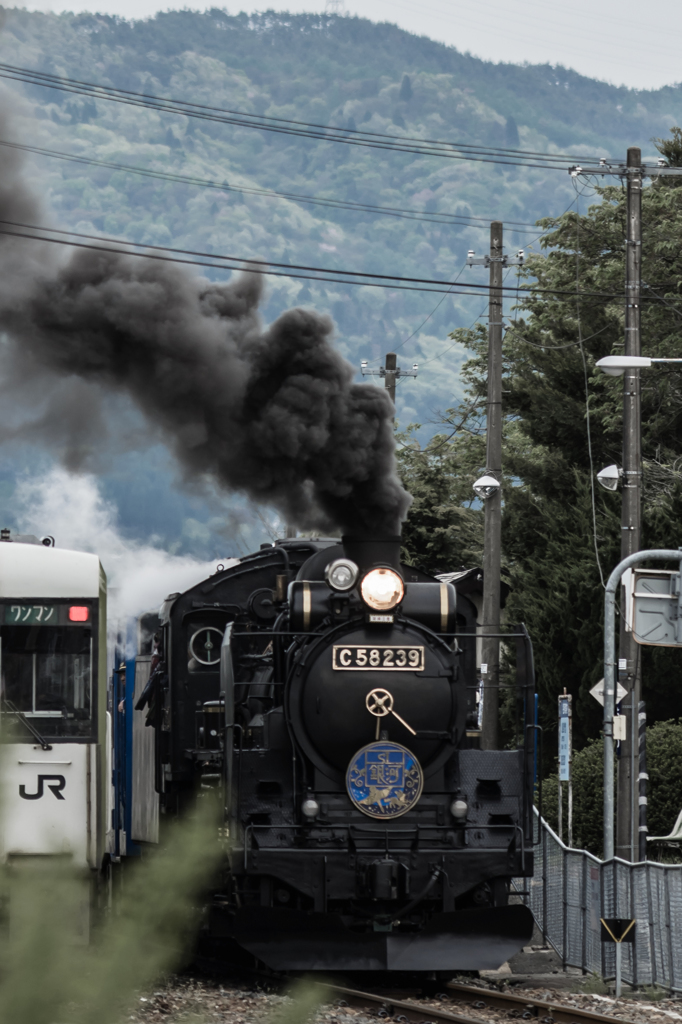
x: 538, y: 1009
x: 404, y: 1011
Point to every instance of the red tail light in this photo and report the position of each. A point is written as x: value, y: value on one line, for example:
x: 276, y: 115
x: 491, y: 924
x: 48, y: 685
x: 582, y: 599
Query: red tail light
x: 79, y: 613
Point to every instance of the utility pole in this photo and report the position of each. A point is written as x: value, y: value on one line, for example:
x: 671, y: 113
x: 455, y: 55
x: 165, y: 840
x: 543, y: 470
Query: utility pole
x: 492, y: 543
x: 492, y: 532
x: 390, y: 371
x: 390, y: 367
x: 629, y: 662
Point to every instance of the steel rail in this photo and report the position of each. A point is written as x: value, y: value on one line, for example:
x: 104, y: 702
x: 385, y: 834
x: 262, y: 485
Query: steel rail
x: 537, y: 1009
x: 526, y: 1007
x: 398, y: 1009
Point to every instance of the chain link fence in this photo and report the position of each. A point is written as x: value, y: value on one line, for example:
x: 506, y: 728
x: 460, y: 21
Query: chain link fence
x: 572, y: 890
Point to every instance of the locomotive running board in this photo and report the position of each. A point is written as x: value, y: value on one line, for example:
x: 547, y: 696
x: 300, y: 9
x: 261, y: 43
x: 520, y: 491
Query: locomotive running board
x: 289, y: 940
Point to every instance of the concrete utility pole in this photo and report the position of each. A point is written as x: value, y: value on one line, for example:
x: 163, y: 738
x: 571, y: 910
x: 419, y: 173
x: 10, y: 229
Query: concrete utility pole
x: 390, y: 371
x: 492, y: 543
x: 389, y: 380
x: 629, y: 662
x: 492, y: 496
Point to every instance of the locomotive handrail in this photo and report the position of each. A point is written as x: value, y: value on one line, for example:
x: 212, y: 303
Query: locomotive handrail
x: 252, y: 568
x: 311, y: 632
x: 227, y: 693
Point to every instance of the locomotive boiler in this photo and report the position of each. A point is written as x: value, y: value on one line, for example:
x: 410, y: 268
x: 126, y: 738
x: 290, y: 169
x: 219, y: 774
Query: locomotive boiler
x: 328, y: 695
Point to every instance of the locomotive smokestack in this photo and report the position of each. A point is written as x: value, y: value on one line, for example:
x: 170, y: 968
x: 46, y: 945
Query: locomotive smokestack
x: 272, y: 411
x: 369, y: 551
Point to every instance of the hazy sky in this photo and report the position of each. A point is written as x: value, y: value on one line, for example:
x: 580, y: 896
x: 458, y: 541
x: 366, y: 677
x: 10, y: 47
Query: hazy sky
x: 626, y: 42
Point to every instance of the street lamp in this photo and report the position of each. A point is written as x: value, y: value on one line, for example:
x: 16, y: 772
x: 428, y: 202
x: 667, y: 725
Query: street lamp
x: 616, y: 366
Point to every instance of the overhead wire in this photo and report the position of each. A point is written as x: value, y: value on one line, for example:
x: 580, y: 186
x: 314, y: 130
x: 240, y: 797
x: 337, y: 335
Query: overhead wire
x: 662, y: 299
x: 43, y: 77
x: 465, y: 415
x: 432, y: 313
x: 513, y: 330
x: 255, y: 267
x: 391, y: 211
x: 268, y: 123
x: 247, y: 264
x: 450, y: 347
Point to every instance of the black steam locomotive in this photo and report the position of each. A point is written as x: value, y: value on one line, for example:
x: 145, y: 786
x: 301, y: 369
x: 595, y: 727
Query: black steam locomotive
x: 329, y: 693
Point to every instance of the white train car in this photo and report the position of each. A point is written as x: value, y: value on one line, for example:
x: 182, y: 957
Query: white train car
x: 54, y: 761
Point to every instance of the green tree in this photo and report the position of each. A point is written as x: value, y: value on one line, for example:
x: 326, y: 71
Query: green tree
x: 405, y: 88
x: 443, y: 531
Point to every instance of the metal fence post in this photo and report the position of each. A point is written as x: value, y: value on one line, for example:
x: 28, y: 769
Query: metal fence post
x: 564, y: 902
x: 652, y: 934
x: 671, y: 957
x: 544, y: 885
x: 602, y: 913
x: 583, y: 914
x: 633, y: 914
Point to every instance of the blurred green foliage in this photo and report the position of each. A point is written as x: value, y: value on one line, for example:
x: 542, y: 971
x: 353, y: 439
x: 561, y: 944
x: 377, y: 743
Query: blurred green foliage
x: 47, y: 975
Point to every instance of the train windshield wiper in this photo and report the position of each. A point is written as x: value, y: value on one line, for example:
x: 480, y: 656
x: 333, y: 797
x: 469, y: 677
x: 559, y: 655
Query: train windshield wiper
x: 13, y: 709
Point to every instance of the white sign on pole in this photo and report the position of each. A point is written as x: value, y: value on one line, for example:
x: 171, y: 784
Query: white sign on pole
x: 597, y: 692
x: 564, y: 738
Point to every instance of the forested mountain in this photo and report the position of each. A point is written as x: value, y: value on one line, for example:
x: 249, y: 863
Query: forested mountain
x: 329, y: 70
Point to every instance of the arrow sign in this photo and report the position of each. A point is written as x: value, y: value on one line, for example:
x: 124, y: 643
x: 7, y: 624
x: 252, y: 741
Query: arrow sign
x: 598, y: 692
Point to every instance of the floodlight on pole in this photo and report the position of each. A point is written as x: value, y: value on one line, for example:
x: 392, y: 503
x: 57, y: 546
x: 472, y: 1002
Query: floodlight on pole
x: 616, y: 366
x: 486, y: 486
x: 609, y: 477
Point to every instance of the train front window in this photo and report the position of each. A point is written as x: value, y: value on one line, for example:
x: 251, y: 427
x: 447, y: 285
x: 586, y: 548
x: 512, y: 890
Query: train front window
x: 47, y: 676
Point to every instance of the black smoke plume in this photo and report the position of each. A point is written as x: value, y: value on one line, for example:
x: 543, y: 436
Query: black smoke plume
x: 269, y: 411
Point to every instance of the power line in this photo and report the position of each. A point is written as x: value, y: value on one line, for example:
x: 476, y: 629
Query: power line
x: 261, y: 266
x: 391, y: 211
x: 262, y: 122
x: 433, y: 311
x: 114, y: 90
x: 514, y: 331
x: 248, y: 264
x: 262, y: 269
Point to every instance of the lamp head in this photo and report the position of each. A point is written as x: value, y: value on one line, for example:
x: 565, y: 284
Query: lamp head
x: 486, y: 485
x: 609, y: 477
x: 616, y: 366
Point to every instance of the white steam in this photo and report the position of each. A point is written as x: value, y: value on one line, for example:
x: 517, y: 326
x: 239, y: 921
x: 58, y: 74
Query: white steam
x: 70, y: 508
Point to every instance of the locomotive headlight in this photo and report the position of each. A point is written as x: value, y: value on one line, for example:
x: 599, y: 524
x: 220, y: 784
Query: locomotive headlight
x: 341, y: 574
x: 310, y: 807
x: 459, y: 809
x: 382, y: 589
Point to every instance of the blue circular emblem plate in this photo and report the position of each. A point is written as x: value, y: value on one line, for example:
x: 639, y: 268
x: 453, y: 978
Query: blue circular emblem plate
x: 384, y: 780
